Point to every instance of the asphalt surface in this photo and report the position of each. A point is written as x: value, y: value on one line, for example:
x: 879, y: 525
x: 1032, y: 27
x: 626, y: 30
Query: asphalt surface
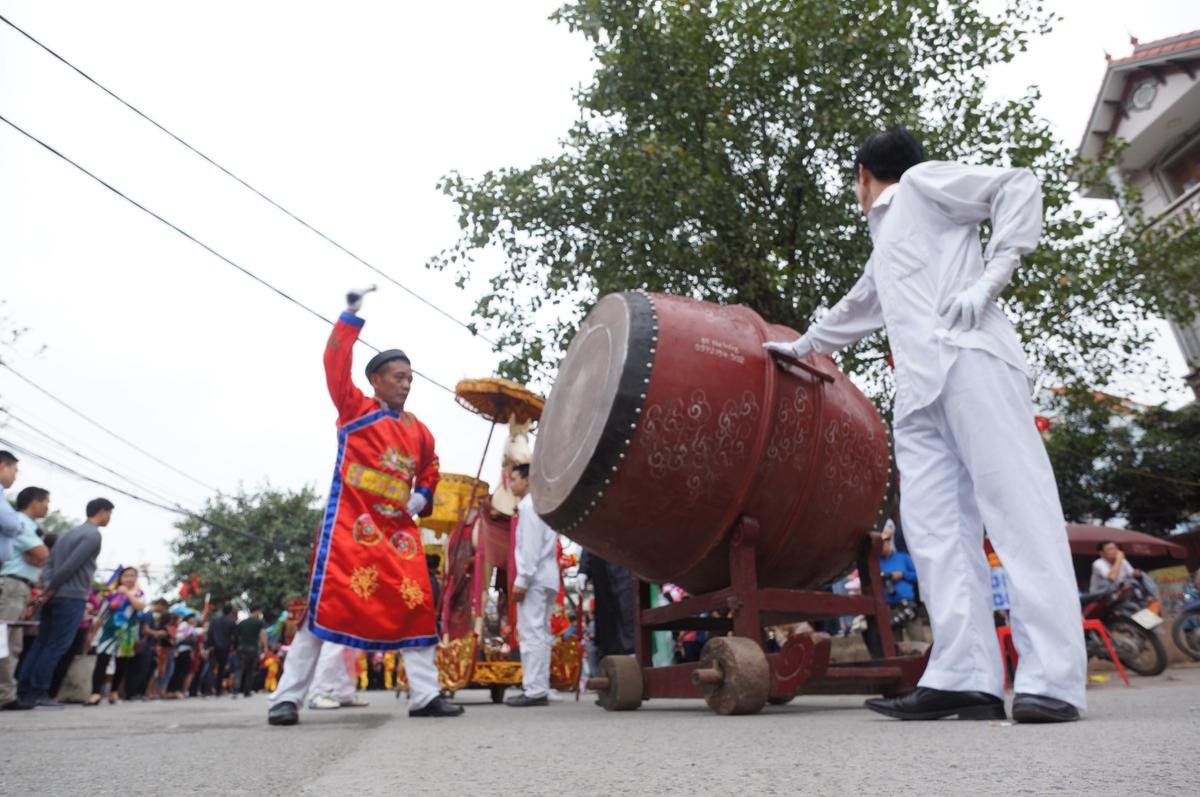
x: 1137, y: 740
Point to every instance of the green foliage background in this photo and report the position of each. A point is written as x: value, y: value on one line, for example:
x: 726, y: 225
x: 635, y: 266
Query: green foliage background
x: 254, y: 547
x: 712, y: 159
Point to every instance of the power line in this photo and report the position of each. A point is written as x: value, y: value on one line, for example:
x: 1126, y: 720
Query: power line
x: 103, y: 428
x: 200, y: 243
x: 469, y: 327
x: 38, y: 431
x: 177, y: 510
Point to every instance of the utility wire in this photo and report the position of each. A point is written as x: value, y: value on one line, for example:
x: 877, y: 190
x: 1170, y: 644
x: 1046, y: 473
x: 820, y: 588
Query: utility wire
x: 103, y: 428
x: 39, y: 432
x: 469, y: 327
x: 178, y: 510
x: 200, y: 243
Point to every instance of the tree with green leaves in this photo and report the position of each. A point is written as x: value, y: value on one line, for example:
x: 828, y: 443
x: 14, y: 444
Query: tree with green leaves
x: 1156, y: 470
x: 1113, y: 459
x: 1083, y: 439
x: 712, y: 159
x: 250, y: 547
x: 57, y: 523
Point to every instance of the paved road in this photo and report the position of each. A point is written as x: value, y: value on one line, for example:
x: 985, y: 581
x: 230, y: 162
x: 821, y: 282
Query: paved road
x: 1137, y: 740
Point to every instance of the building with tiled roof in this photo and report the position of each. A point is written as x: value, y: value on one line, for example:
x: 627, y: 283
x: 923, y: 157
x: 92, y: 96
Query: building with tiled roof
x: 1150, y: 99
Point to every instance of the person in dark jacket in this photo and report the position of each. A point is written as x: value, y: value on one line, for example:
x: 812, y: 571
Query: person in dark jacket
x: 613, y: 587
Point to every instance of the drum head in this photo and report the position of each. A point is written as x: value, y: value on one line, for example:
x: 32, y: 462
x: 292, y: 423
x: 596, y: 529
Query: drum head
x: 593, y: 408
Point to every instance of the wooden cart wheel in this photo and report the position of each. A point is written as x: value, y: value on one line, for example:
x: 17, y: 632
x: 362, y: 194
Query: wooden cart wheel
x: 624, y: 692
x: 745, y: 676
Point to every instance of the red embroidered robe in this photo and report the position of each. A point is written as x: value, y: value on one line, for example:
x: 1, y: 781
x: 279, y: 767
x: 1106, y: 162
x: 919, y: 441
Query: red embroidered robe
x: 370, y: 586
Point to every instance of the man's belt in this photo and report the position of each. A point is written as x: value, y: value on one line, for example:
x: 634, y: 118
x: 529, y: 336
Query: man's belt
x: 377, y: 482
x: 23, y: 580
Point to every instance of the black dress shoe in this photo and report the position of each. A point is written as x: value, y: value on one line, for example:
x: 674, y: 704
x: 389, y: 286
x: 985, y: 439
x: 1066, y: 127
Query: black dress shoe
x: 933, y: 704
x: 523, y: 701
x: 438, y: 707
x: 1038, y: 708
x: 284, y: 713
x: 16, y: 705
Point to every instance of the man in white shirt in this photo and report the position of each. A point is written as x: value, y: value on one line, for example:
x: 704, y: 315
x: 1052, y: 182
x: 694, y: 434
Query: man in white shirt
x: 1111, y: 568
x: 534, y: 589
x: 966, y: 445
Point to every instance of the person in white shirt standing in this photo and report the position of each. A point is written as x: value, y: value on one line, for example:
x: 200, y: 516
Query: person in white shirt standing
x: 968, y: 451
x: 534, y: 589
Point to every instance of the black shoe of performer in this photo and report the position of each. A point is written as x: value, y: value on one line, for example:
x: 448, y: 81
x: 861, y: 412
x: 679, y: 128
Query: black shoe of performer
x: 438, y: 707
x: 16, y: 705
x: 521, y: 701
x: 1039, y: 708
x: 934, y: 704
x: 284, y: 713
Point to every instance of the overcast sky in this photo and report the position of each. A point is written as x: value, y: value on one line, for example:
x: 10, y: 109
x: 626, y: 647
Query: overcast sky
x: 348, y: 119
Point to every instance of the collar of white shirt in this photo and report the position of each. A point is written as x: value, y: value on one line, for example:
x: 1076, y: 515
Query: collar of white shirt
x: 875, y: 214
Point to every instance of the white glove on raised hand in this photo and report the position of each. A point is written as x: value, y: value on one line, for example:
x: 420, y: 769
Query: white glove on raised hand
x: 965, y: 311
x: 354, y: 298
x: 798, y: 348
x: 416, y: 504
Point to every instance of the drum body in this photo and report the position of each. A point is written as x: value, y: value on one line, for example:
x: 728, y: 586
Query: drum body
x: 668, y: 421
x: 452, y: 500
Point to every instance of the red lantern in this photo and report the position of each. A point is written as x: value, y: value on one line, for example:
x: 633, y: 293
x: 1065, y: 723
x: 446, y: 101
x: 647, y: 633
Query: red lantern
x: 1043, y: 423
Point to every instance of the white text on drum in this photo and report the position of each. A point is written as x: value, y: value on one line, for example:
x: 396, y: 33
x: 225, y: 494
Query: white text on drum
x: 719, y: 348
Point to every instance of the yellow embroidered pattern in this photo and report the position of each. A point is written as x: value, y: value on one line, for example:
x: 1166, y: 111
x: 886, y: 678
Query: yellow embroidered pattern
x: 364, y: 581
x: 412, y: 593
x: 377, y: 482
x: 393, y: 458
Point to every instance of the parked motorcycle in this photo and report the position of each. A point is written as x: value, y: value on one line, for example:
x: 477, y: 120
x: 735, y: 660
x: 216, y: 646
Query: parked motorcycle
x: 1186, y: 630
x: 1130, y: 625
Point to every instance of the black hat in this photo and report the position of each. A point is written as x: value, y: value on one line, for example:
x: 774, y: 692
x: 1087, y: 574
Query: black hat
x: 385, y: 357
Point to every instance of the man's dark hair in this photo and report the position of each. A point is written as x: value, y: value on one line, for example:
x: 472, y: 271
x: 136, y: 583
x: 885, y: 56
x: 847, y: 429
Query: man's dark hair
x: 49, y: 539
x: 160, y: 601
x: 257, y: 607
x: 7, y: 458
x: 1100, y: 545
x: 29, y: 495
x: 889, y: 154
x: 522, y: 469
x: 227, y: 609
x: 98, y: 505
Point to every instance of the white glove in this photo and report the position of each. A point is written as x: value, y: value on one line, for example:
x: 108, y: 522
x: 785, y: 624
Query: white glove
x: 416, y: 504
x: 798, y: 348
x: 354, y: 298
x: 966, y: 310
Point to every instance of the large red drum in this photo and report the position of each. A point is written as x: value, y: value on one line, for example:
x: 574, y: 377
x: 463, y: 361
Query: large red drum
x: 668, y: 421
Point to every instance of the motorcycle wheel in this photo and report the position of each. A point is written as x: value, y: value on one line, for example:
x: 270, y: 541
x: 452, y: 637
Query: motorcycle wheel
x: 1186, y: 633
x: 1138, y: 649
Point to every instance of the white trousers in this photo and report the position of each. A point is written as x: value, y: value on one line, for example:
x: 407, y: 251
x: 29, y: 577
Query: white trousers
x: 533, y: 630
x: 300, y: 668
x: 333, y: 677
x: 973, y: 460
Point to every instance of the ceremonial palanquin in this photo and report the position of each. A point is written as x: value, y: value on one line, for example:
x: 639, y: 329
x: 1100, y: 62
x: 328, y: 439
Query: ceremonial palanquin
x: 478, y: 562
x: 368, y: 550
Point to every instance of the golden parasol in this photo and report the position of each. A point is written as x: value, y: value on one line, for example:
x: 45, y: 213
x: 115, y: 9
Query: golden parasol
x: 499, y: 400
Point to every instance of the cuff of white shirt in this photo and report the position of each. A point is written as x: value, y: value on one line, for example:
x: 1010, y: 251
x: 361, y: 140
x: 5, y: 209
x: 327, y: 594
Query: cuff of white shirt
x: 521, y: 581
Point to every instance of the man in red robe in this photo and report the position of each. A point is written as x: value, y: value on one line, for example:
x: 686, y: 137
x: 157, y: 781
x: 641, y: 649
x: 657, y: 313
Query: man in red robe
x: 370, y: 587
